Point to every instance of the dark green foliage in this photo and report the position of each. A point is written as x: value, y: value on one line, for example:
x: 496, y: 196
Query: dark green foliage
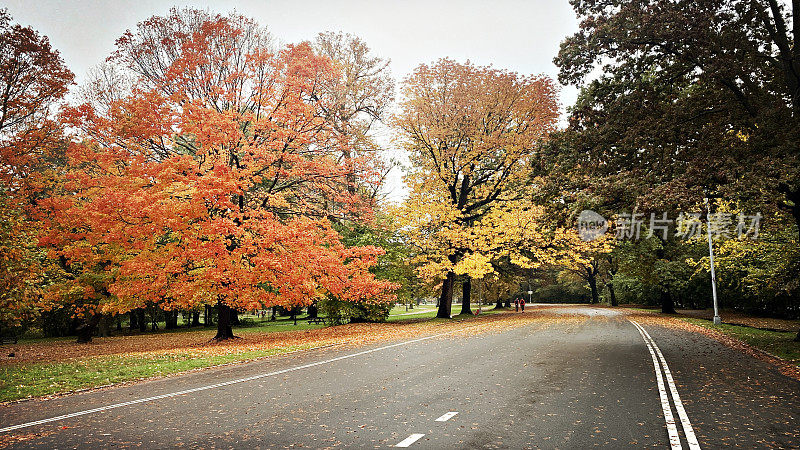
x: 339, y: 312
x: 58, y: 322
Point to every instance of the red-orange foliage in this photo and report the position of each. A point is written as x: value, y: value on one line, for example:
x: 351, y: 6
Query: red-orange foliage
x: 32, y: 78
x: 212, y: 182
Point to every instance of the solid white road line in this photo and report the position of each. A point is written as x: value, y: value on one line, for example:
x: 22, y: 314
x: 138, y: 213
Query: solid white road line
x: 674, y: 439
x: 409, y: 440
x: 688, y: 431
x: 214, y: 386
x: 447, y: 416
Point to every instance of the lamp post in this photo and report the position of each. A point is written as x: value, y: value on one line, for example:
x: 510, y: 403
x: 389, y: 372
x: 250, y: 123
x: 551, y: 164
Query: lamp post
x: 717, y: 319
x: 530, y: 292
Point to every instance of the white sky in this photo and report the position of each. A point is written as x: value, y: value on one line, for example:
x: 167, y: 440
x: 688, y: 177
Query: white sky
x: 522, y: 36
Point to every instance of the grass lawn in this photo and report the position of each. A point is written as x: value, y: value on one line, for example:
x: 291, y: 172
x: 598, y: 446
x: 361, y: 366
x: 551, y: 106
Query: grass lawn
x: 419, y: 312
x: 33, y: 380
x: 777, y: 343
x: 429, y: 311
x: 41, y: 379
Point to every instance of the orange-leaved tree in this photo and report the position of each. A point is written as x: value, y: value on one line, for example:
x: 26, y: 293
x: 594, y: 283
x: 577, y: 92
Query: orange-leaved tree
x: 32, y: 78
x: 212, y: 182
x: 471, y: 133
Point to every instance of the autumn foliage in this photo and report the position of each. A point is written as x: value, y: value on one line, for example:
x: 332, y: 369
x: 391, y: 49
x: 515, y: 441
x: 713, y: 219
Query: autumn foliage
x: 205, y: 167
x: 32, y: 78
x: 203, y: 170
x: 471, y: 133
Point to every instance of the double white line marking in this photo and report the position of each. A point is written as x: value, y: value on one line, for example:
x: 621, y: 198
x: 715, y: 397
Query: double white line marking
x: 672, y: 429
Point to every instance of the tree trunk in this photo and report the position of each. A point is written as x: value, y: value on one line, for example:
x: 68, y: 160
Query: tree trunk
x: 195, y: 319
x: 499, y: 303
x: 508, y: 303
x: 272, y: 317
x: 466, y: 293
x: 446, y: 299
x: 171, y: 320
x: 667, y: 305
x: 592, y: 277
x: 312, y: 311
x: 235, y: 317
x: 612, y: 293
x: 207, y: 316
x: 224, y: 330
x: 134, y: 322
x: 142, y: 323
x: 104, y: 326
x: 87, y: 328
x: 794, y: 196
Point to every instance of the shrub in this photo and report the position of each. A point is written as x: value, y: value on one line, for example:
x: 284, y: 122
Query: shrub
x: 339, y: 312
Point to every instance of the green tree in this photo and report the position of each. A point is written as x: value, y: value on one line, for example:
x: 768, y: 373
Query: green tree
x: 693, y: 99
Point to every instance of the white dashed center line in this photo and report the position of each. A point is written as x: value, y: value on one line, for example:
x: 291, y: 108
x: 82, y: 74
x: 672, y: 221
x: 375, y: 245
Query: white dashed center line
x: 410, y: 440
x: 447, y: 416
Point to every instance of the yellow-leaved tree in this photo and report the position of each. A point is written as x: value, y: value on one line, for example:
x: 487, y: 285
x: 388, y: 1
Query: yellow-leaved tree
x: 471, y: 133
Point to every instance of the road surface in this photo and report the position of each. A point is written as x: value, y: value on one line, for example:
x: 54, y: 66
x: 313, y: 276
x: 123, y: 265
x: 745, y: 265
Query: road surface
x: 587, y: 381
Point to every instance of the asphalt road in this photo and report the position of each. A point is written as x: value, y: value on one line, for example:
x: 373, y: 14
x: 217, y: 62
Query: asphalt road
x: 573, y: 384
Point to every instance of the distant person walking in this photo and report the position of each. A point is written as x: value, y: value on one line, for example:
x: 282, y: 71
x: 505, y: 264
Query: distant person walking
x: 516, y: 304
x: 522, y: 304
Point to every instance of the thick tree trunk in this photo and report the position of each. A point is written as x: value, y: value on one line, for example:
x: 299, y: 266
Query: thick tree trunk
x: 795, y: 198
x: 224, y: 330
x: 508, y: 303
x: 134, y: 319
x: 499, y: 303
x: 141, y: 320
x: 87, y: 328
x: 612, y: 293
x: 104, y: 326
x: 195, y: 319
x: 446, y: 299
x: 235, y: 317
x: 312, y: 311
x: 667, y: 305
x: 171, y: 320
x: 593, y: 285
x: 466, y: 296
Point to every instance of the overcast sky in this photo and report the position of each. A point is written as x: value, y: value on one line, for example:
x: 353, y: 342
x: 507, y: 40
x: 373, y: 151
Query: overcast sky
x: 522, y: 36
